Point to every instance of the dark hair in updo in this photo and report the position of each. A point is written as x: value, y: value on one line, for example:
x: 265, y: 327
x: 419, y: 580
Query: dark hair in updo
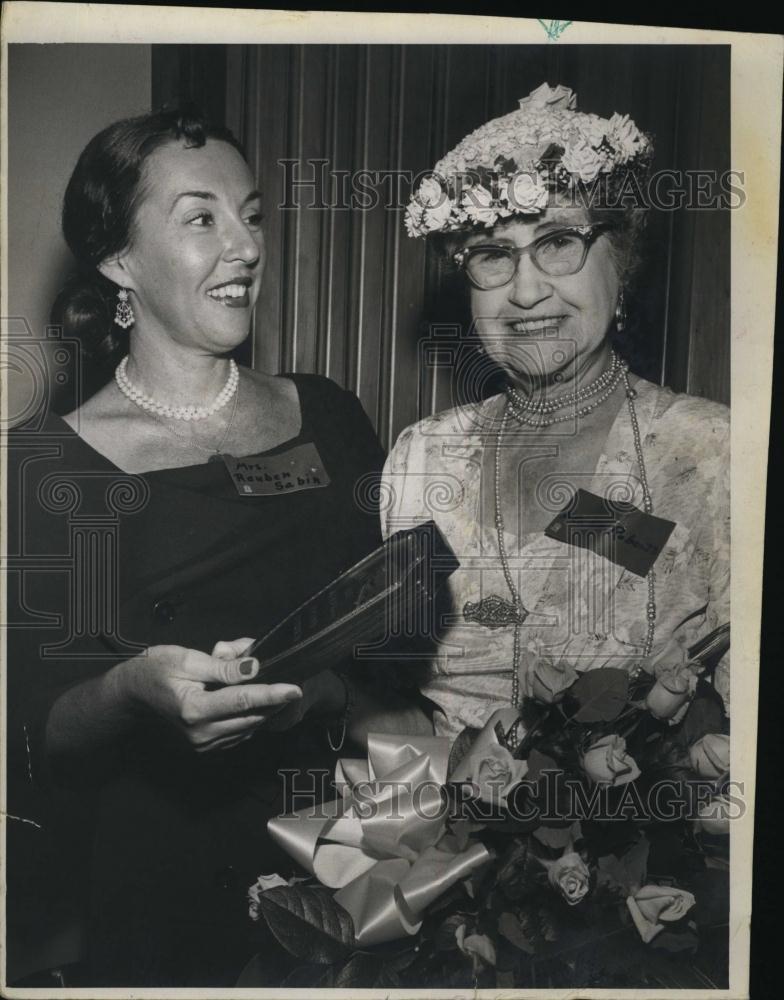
x: 99, y: 208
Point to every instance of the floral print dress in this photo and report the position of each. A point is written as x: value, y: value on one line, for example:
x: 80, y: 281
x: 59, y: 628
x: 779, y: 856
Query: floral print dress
x: 583, y: 607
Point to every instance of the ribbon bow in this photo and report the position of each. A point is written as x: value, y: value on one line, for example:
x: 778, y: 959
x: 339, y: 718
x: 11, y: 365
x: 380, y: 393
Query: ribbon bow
x: 384, y: 844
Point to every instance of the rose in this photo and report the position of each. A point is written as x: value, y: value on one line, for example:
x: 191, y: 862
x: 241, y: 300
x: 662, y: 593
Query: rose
x: 558, y: 98
x: 668, y: 654
x: 547, y: 680
x: 496, y: 773
x: 570, y: 876
x: 668, y: 699
x: 655, y: 905
x: 478, y: 204
x: 582, y: 160
x: 262, y: 884
x: 606, y: 762
x: 710, y: 756
x: 527, y: 193
x: 477, y: 945
x: 714, y: 816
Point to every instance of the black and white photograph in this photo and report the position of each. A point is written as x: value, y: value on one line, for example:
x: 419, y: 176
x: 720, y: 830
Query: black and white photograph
x: 375, y: 528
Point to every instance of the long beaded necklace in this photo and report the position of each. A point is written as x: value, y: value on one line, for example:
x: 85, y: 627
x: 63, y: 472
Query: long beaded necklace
x: 499, y: 612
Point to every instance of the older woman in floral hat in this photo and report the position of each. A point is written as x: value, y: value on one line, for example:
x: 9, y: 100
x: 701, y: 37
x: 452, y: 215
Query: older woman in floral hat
x: 589, y: 508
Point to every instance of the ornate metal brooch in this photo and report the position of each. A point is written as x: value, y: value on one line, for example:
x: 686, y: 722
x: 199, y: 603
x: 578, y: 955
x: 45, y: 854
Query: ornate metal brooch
x: 494, y: 612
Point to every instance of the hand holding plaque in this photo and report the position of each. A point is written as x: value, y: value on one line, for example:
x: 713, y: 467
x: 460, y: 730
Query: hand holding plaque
x: 388, y: 593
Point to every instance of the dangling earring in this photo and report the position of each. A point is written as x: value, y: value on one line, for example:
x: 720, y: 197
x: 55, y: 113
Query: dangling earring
x: 123, y: 315
x: 620, y: 314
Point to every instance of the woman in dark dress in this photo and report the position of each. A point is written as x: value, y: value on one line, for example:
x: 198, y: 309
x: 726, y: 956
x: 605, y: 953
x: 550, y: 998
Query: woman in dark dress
x: 119, y: 692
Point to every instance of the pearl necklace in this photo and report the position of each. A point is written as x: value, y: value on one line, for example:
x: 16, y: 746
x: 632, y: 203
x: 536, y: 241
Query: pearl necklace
x: 127, y: 388
x: 543, y: 412
x: 520, y: 612
x: 216, y: 452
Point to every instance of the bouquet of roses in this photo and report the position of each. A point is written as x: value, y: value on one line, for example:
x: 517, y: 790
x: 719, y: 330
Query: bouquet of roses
x: 580, y: 841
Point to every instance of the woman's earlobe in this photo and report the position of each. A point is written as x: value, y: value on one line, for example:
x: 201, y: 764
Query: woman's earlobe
x: 114, y: 269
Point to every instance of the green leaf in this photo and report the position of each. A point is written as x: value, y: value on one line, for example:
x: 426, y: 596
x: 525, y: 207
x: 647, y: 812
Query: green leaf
x: 365, y: 970
x: 612, y: 872
x: 310, y: 975
x: 635, y: 861
x: 308, y: 923
x: 517, y: 871
x: 444, y: 938
x: 538, y: 762
x: 511, y: 928
x: 600, y: 694
x: 627, y: 872
x: 556, y: 837
x: 705, y: 714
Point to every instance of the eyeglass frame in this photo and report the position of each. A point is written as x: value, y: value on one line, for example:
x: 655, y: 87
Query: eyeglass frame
x: 587, y: 233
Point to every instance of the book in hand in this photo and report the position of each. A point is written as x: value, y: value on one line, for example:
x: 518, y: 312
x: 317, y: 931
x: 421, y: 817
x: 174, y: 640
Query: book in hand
x: 387, y: 594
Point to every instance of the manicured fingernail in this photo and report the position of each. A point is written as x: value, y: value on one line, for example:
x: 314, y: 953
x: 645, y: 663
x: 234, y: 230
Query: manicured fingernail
x: 292, y: 695
x: 246, y: 666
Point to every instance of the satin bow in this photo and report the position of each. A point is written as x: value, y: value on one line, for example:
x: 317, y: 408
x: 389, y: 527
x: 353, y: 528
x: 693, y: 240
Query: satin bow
x: 384, y: 844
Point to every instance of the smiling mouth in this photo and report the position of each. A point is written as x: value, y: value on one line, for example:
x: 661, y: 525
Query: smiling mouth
x: 236, y: 295
x: 539, y: 325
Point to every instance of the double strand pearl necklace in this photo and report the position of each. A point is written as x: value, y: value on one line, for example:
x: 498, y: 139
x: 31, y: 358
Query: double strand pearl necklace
x: 520, y: 612
x: 127, y: 388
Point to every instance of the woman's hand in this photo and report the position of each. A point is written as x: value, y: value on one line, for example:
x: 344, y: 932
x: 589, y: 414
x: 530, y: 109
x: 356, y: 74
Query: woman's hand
x: 172, y: 682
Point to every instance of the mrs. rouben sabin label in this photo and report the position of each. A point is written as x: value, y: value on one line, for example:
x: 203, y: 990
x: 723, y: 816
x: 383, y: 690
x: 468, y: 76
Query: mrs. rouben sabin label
x: 298, y: 468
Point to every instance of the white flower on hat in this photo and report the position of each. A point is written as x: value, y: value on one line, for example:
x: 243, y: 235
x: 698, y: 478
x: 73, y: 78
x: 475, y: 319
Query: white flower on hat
x: 413, y: 219
x: 430, y: 193
x: 583, y: 160
x: 624, y: 135
x: 437, y: 217
x: 515, y: 143
x: 593, y: 129
x: 478, y: 204
x: 549, y: 97
x: 527, y: 193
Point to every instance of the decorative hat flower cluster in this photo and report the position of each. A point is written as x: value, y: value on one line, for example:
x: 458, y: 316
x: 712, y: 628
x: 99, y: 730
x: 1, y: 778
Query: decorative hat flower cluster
x: 511, y: 165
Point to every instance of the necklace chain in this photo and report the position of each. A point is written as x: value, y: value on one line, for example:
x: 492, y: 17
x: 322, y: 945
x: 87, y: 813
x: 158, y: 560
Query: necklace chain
x: 144, y: 402
x: 617, y: 372
x: 216, y: 451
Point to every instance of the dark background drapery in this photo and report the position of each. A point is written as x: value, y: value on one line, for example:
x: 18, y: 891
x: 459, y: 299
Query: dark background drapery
x: 348, y: 294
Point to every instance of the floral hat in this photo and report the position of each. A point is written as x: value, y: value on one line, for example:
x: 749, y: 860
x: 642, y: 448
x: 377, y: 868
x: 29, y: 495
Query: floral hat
x: 511, y: 165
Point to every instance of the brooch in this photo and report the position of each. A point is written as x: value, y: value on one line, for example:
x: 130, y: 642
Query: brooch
x: 494, y: 612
